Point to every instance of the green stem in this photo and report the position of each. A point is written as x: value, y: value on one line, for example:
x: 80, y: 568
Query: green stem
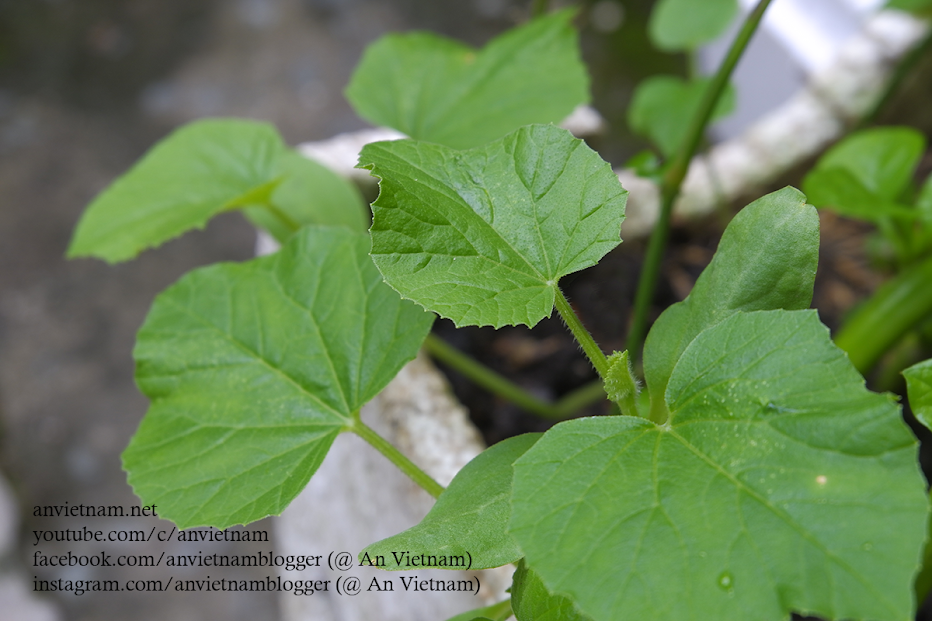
x: 578, y: 399
x: 539, y: 7
x: 894, y: 309
x: 506, y: 389
x: 673, y: 180
x: 395, y: 456
x: 487, y: 378
x: 596, y: 357
x: 903, y: 69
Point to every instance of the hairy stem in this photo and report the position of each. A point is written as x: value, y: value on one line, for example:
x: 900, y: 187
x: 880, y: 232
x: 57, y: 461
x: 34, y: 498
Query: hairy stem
x: 487, y: 378
x: 506, y: 389
x: 404, y: 464
x: 596, y: 357
x: 673, y: 179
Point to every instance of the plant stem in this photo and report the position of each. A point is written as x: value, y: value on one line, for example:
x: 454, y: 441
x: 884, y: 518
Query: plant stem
x: 894, y: 309
x: 396, y: 457
x: 500, y: 611
x: 539, y: 7
x: 487, y: 378
x: 673, y: 179
x: 903, y: 69
x: 579, y: 398
x: 596, y: 357
x: 289, y: 223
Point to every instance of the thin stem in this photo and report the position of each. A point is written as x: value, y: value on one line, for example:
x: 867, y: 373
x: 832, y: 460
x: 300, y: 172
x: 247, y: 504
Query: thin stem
x: 903, y: 69
x: 506, y: 389
x: 578, y: 399
x: 596, y: 357
x: 673, y: 179
x: 487, y: 378
x: 395, y: 456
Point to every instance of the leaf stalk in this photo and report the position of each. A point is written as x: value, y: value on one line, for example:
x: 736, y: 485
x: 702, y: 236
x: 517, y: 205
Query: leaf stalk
x: 424, y: 480
x: 590, y: 347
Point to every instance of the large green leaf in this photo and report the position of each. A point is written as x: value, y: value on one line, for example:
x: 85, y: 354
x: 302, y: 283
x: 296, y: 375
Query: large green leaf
x: 309, y: 193
x: 531, y: 601
x: 195, y: 173
x: 767, y: 259
x: 442, y: 91
x: 470, y: 518
x: 253, y: 369
x: 483, y: 236
x: 865, y: 175
x: 779, y: 484
x: 663, y: 107
x: 924, y: 201
x: 677, y: 25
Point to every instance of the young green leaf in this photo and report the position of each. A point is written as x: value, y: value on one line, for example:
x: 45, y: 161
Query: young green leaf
x: 864, y: 175
x: 469, y: 519
x: 663, y: 107
x: 677, y: 25
x: 919, y: 389
x: 483, y: 236
x: 766, y: 260
x: 442, y: 91
x: 778, y: 484
x: 195, y: 173
x: 531, y: 601
x: 309, y: 193
x: 253, y: 369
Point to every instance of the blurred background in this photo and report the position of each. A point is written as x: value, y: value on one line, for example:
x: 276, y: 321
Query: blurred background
x: 85, y: 87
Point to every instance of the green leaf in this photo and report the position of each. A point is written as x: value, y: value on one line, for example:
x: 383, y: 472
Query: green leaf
x: 663, y: 106
x: 779, y: 484
x: 766, y: 260
x: 309, y: 194
x: 469, y: 519
x: 677, y: 25
x: 482, y: 236
x: 195, y: 173
x: 919, y: 389
x: 882, y: 159
x: 842, y: 191
x: 495, y: 612
x: 442, y: 91
x: 253, y: 369
x: 531, y: 600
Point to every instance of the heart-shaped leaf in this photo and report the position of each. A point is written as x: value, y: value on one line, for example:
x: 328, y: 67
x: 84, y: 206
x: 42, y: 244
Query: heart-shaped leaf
x: 663, y: 107
x: 253, y: 369
x: 483, y: 236
x: 766, y: 260
x: 469, y: 519
x: 677, y: 25
x: 779, y: 484
x: 442, y: 91
x: 192, y: 175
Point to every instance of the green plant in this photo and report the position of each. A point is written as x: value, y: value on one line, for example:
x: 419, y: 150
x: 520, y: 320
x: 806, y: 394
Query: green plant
x: 755, y: 477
